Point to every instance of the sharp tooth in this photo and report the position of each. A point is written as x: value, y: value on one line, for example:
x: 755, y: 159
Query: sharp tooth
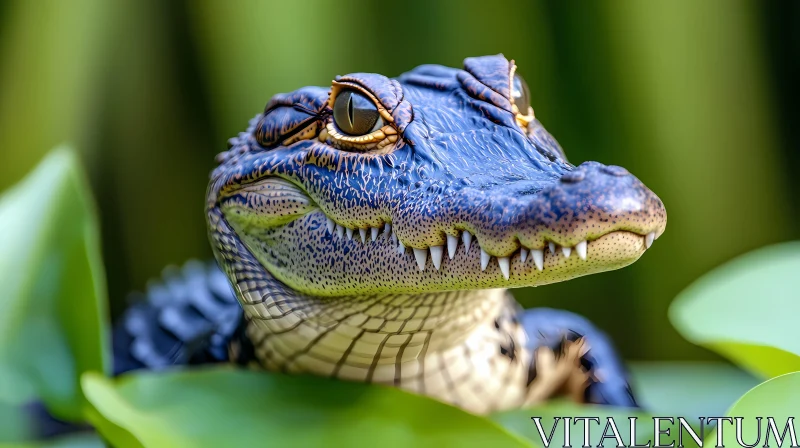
x: 504, y: 266
x: 484, y: 259
x: 363, y: 233
x: 523, y: 254
x: 394, y: 238
x: 552, y: 247
x: 580, y: 248
x: 466, y: 237
x: 452, y: 245
x: 401, y: 247
x: 422, y: 256
x: 648, y: 239
x: 566, y: 251
x: 349, y: 233
x: 339, y: 231
x: 387, y: 228
x: 538, y: 258
x: 374, y: 233
x: 330, y: 224
x: 436, y: 256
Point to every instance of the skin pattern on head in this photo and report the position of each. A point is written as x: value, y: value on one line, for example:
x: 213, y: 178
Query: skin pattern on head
x: 382, y: 256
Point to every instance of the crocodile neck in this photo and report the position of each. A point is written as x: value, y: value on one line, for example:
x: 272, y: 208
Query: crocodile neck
x: 425, y: 343
x: 418, y: 323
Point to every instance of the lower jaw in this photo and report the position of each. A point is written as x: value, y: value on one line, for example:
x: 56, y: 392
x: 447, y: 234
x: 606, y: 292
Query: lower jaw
x: 354, y: 268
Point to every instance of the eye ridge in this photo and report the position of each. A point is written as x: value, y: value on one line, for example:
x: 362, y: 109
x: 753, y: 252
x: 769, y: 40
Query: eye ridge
x: 355, y: 114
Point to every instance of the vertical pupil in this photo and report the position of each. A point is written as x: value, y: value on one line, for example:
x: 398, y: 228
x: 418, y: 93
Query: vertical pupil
x: 350, y: 112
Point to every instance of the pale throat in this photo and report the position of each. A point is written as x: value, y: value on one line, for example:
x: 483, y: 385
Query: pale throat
x: 288, y: 327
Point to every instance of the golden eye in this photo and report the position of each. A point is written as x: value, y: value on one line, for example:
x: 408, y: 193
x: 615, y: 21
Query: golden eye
x: 355, y: 114
x: 521, y: 95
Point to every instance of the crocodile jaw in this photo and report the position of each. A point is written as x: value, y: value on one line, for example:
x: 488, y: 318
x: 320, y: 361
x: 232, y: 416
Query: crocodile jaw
x: 332, y: 264
x: 290, y: 236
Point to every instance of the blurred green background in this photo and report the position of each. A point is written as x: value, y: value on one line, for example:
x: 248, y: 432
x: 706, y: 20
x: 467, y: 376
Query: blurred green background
x: 698, y: 99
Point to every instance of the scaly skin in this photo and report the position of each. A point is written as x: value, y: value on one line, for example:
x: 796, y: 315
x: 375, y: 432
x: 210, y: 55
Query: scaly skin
x: 379, y: 258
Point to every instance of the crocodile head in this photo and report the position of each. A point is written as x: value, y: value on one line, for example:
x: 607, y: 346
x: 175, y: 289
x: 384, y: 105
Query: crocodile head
x: 441, y: 179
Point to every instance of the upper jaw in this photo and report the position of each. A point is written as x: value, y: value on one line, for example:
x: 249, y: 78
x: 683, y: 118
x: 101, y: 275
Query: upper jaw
x: 583, y: 205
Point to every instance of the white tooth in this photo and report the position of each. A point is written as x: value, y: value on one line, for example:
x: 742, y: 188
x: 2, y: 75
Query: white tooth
x: 648, y: 239
x: 363, y: 233
x: 394, y: 238
x: 538, y: 258
x: 349, y: 232
x: 421, y: 255
x: 504, y: 266
x: 580, y: 248
x: 484, y: 259
x: 401, y: 248
x: 339, y: 231
x: 566, y: 251
x: 452, y: 245
x: 466, y: 237
x: 523, y: 254
x: 387, y: 228
x: 374, y: 233
x: 552, y: 247
x: 436, y: 256
x: 330, y: 224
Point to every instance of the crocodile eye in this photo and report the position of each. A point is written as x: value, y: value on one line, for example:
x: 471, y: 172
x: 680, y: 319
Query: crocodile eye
x: 521, y: 95
x: 355, y: 114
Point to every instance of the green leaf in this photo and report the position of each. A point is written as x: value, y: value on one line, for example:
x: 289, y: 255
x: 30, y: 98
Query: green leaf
x: 662, y: 389
x: 688, y: 389
x: 210, y: 407
x: 777, y: 398
x: 70, y: 441
x: 520, y: 421
x: 14, y: 426
x: 52, y: 304
x: 747, y: 310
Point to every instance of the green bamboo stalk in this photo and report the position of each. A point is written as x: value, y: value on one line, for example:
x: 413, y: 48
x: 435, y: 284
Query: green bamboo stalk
x: 699, y: 123
x: 50, y: 64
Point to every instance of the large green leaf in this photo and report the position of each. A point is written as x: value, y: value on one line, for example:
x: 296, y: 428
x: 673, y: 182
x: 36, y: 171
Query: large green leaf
x: 747, y: 310
x: 688, y: 389
x: 211, y: 407
x: 52, y: 301
x: 663, y: 389
x: 552, y: 417
x: 778, y: 398
x: 88, y: 440
x: 14, y: 426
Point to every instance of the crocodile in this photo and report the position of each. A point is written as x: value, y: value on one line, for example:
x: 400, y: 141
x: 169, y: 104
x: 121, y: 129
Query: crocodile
x: 370, y: 231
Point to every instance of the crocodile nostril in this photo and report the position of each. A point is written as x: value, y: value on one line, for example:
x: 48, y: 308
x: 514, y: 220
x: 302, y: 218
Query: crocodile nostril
x: 615, y: 170
x: 573, y: 176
